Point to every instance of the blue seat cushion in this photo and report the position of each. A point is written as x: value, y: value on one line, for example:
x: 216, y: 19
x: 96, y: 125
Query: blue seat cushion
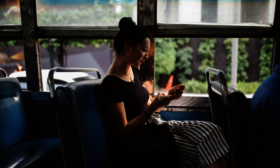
x: 25, y: 153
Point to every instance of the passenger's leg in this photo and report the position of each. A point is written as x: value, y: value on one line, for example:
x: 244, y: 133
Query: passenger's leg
x: 206, y: 137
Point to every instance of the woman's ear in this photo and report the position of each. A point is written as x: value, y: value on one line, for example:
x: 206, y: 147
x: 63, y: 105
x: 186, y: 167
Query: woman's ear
x: 127, y: 46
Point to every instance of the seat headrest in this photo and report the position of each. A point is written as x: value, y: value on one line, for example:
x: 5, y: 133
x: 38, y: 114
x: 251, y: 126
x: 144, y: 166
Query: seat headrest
x: 85, y: 92
x: 216, y: 87
x: 9, y: 85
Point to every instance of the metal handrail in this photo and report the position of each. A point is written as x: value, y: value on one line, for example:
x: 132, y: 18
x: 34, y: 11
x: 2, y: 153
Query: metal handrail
x: 4, y: 72
x: 50, y: 79
x: 222, y: 80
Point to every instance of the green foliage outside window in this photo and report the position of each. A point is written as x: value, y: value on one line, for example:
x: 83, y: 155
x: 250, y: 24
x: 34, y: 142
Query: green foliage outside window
x: 242, y: 63
x: 195, y: 86
x: 165, y: 56
x: 247, y: 87
x: 7, y: 43
x: 184, y: 57
x: 207, y: 52
x: 98, y: 15
x: 265, y: 58
x: 10, y: 20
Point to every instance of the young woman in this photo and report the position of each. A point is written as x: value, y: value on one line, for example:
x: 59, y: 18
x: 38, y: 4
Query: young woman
x: 200, y: 144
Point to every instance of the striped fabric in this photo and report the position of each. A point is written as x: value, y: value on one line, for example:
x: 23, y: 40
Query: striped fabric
x: 199, y: 143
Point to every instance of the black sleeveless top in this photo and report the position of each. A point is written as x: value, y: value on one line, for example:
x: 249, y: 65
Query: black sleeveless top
x: 134, y: 95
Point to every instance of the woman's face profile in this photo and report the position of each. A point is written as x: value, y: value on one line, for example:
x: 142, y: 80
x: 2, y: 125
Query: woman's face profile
x: 139, y: 53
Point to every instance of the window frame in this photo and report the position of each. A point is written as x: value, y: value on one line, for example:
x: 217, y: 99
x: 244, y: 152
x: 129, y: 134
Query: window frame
x: 11, y: 32
x: 34, y: 32
x: 77, y: 32
x: 198, y: 30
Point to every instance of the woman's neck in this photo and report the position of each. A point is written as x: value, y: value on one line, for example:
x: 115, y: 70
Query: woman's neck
x: 122, y: 65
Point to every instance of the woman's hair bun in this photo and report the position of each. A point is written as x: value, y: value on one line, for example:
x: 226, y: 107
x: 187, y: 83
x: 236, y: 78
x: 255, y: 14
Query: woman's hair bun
x: 126, y: 23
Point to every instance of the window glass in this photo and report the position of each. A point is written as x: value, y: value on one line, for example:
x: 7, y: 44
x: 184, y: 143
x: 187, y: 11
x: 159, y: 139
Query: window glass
x: 216, y: 11
x: 10, y: 12
x: 82, y: 53
x: 84, y: 12
x: 184, y: 60
x: 11, y: 56
x: 12, y: 59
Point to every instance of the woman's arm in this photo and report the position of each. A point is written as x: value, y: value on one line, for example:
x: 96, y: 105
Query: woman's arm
x: 117, y: 111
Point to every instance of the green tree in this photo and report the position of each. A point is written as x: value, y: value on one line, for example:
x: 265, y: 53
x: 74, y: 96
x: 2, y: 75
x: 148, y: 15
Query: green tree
x: 97, y: 15
x: 165, y: 50
x: 265, y: 58
x: 184, y: 57
x: 79, y: 15
x: 8, y: 43
x: 242, y: 58
x: 207, y: 51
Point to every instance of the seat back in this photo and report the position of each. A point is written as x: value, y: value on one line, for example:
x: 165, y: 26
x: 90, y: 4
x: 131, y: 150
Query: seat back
x: 231, y: 112
x: 219, y: 105
x: 4, y: 73
x: 13, y: 126
x: 82, y: 132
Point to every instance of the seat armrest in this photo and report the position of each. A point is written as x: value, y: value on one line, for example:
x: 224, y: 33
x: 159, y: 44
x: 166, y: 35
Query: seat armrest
x: 25, y: 153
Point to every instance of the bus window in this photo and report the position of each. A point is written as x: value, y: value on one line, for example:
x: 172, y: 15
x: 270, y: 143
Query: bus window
x: 187, y: 37
x: 12, y: 56
x: 82, y: 53
x: 216, y: 12
x: 184, y: 60
x: 10, y: 13
x: 84, y: 12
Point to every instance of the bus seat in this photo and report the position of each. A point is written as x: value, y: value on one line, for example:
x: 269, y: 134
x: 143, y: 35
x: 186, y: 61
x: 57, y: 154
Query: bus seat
x: 15, y: 148
x: 82, y: 134
x: 230, y: 110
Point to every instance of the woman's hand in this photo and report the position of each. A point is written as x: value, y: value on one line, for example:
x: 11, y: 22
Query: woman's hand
x: 163, y: 100
x: 159, y: 102
x: 177, y: 91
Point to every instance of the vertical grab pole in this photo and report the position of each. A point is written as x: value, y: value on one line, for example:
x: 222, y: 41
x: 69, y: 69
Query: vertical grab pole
x: 234, y: 62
